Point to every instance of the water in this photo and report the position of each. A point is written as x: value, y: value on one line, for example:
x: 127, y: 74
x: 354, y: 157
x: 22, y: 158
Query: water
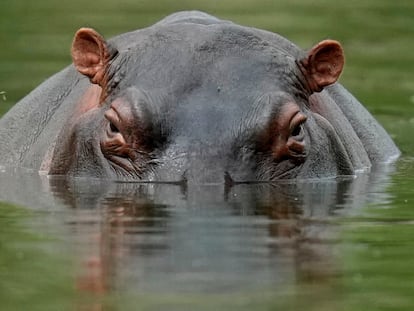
x: 203, y: 247
x: 330, y: 245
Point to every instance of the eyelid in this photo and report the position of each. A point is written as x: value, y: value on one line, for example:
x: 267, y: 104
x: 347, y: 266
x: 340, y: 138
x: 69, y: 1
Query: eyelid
x: 297, y: 119
x: 113, y: 128
x: 112, y: 116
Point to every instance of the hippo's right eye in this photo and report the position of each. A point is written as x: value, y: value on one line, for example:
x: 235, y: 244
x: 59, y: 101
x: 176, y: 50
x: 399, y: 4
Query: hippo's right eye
x: 288, y: 134
x: 113, y: 127
x: 114, y: 122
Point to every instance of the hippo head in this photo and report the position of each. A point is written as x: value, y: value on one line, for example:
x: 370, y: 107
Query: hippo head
x: 205, y: 101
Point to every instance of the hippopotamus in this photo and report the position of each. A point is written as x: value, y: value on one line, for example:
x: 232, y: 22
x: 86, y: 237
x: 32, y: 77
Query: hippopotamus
x: 195, y: 98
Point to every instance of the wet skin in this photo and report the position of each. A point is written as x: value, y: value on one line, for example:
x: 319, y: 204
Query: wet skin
x: 194, y: 98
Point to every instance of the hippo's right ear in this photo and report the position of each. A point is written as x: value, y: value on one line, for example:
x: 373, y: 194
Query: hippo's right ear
x: 323, y: 64
x: 91, y: 55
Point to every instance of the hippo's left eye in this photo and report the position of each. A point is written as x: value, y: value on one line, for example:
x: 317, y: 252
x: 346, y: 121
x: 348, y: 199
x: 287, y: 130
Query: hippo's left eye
x: 297, y: 130
x: 296, y: 126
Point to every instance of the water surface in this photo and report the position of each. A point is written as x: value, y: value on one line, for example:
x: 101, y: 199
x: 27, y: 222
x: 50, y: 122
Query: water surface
x: 206, y: 246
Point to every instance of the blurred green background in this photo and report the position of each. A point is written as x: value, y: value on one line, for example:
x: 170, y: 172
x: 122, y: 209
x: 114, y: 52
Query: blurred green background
x: 378, y: 38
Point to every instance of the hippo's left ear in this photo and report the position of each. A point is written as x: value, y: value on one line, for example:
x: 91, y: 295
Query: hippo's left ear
x: 323, y: 64
x: 91, y: 55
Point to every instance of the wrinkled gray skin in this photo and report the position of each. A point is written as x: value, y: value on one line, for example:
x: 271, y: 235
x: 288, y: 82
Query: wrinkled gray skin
x: 195, y: 99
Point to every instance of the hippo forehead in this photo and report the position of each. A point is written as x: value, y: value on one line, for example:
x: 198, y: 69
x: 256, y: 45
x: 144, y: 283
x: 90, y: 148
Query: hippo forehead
x: 196, y: 27
x: 184, y: 56
x: 205, y: 72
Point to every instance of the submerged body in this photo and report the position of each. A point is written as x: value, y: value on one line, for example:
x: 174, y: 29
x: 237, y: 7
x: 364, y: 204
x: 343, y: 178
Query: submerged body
x: 195, y: 98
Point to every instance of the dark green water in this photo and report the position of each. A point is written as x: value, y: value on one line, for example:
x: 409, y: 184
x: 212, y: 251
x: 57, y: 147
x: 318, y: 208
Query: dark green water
x: 334, y: 245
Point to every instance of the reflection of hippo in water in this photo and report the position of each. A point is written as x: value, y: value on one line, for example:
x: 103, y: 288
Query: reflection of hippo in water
x: 195, y: 98
x: 167, y: 238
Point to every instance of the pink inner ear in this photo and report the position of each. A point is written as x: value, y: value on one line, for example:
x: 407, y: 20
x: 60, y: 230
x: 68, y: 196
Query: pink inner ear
x: 90, y: 54
x: 323, y: 65
x: 92, y: 58
x: 86, y: 63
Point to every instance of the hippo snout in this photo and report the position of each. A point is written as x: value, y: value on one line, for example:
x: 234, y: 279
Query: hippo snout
x: 197, y: 169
